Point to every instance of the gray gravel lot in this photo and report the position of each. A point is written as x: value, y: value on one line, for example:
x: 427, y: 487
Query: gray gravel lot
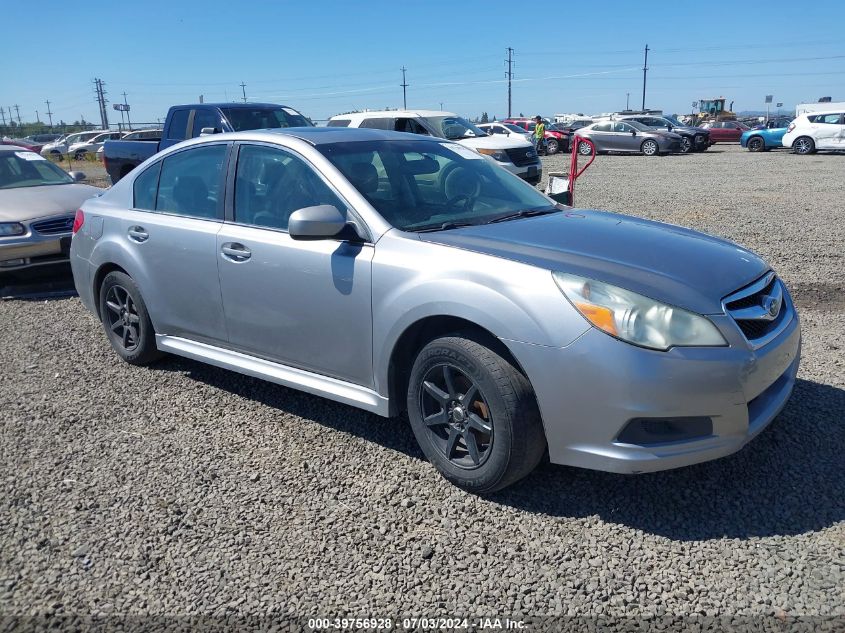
x: 182, y: 489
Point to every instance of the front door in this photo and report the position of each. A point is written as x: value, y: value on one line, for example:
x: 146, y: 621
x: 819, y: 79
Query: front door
x: 626, y: 137
x: 301, y: 303
x: 172, y: 228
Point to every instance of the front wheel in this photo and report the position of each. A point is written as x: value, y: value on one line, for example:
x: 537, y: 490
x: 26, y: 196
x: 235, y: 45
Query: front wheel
x: 126, y: 320
x: 804, y: 145
x: 474, y: 414
x: 584, y: 149
x: 552, y: 146
x: 686, y: 145
x: 650, y: 147
x: 756, y: 144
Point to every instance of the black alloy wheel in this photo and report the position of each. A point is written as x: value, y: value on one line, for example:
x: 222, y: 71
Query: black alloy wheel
x: 122, y: 318
x: 457, y: 416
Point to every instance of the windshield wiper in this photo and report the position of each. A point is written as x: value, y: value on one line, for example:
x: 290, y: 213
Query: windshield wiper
x: 442, y: 227
x: 524, y: 213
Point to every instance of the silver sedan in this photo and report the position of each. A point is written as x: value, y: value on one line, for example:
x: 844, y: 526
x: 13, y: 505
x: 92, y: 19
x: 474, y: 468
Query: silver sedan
x: 628, y: 136
x: 402, y: 273
x: 38, y: 201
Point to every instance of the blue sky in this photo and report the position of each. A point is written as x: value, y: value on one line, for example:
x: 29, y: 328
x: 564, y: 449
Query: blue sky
x: 329, y: 57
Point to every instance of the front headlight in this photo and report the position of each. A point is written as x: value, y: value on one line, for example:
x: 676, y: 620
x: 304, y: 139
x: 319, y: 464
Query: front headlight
x: 495, y: 154
x: 635, y: 318
x: 11, y: 228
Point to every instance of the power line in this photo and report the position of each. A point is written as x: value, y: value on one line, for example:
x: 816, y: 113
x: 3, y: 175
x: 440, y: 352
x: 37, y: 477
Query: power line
x: 404, y: 90
x: 509, y: 75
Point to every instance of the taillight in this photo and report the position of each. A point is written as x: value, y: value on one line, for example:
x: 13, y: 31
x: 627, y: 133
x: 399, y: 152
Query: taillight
x: 78, y: 221
x: 791, y: 127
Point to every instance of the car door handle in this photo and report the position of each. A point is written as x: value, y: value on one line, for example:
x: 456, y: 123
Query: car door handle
x: 235, y: 252
x: 138, y: 234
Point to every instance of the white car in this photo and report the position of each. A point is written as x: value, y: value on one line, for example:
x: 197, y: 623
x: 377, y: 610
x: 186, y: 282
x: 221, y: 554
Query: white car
x: 816, y: 130
x: 506, y: 129
x: 61, y: 146
x: 78, y: 150
x: 515, y: 154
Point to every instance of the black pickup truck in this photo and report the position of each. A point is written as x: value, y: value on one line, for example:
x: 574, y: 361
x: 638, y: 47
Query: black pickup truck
x: 187, y: 121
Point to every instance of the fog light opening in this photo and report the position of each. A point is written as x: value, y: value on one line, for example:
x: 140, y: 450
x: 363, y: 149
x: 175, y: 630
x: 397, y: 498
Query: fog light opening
x: 650, y: 431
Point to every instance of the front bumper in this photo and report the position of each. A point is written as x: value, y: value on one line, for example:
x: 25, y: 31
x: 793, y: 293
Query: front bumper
x: 591, y: 390
x: 532, y: 172
x: 32, y: 249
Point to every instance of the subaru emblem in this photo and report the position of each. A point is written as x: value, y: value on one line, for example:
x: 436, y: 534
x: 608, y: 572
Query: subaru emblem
x: 771, y: 305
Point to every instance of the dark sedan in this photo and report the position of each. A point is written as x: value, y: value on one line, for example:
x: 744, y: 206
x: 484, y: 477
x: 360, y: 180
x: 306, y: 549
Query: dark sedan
x: 628, y: 136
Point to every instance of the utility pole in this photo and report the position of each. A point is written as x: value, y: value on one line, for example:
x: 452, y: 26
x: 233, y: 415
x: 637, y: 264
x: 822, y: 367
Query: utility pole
x: 509, y: 75
x: 3, y: 115
x: 128, y: 120
x: 441, y: 105
x: 243, y: 89
x: 627, y: 101
x: 18, y: 110
x: 37, y: 119
x: 101, y: 101
x: 49, y: 114
x: 645, y: 70
x: 404, y: 85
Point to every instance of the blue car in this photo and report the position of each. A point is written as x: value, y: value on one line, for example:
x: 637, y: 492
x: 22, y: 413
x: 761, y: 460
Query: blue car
x: 762, y: 140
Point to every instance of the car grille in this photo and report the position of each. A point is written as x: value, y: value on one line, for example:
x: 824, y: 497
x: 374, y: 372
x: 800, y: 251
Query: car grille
x: 522, y: 156
x: 54, y: 226
x: 761, y: 310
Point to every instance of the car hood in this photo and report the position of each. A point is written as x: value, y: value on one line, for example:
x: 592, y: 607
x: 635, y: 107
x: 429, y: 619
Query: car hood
x: 665, y: 262
x: 30, y: 203
x: 497, y: 141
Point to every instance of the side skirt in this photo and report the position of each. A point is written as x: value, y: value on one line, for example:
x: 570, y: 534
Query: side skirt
x: 331, y: 388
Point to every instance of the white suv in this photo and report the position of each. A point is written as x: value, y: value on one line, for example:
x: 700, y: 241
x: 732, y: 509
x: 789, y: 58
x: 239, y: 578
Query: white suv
x: 515, y: 154
x: 816, y: 130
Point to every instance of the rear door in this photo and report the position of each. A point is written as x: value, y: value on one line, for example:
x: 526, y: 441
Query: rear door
x: 172, y: 232
x: 603, y: 137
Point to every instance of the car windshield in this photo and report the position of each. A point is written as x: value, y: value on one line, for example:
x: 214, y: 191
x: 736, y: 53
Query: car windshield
x: 674, y: 121
x: 454, y: 127
x: 514, y: 128
x: 263, y: 118
x: 425, y: 185
x: 28, y: 169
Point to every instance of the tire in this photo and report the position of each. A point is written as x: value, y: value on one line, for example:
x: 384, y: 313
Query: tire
x: 126, y: 320
x: 487, y: 442
x: 650, y: 147
x: 700, y: 143
x: 803, y: 145
x: 756, y: 144
x: 78, y: 155
x: 552, y: 146
x: 686, y: 145
x: 585, y: 150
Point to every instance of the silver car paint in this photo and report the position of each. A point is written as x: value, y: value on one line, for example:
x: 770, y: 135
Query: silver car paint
x: 625, y: 141
x: 588, y: 384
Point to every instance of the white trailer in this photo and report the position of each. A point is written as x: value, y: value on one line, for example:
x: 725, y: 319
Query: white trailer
x: 824, y: 106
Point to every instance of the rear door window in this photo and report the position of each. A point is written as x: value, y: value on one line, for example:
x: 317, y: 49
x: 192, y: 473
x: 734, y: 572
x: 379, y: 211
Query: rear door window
x: 178, y: 125
x: 338, y: 123
x: 383, y: 123
x: 833, y: 119
x: 603, y: 127
x: 146, y: 187
x: 190, y: 182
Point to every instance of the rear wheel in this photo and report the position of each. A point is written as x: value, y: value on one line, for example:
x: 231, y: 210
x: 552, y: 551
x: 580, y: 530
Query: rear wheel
x: 700, y: 143
x: 686, y: 144
x: 756, y: 144
x: 584, y: 149
x: 804, y: 145
x: 474, y: 414
x: 649, y: 147
x: 552, y: 146
x: 126, y: 320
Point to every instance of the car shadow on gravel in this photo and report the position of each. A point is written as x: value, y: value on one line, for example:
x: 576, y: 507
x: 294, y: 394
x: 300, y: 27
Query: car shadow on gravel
x: 788, y: 480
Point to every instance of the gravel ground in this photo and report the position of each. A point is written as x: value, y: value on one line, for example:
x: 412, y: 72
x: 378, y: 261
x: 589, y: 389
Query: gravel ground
x: 184, y: 490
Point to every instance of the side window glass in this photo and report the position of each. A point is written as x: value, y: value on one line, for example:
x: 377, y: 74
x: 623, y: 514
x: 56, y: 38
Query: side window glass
x: 604, y: 127
x: 190, y: 182
x: 270, y: 184
x: 379, y: 124
x: 145, y: 188
x: 178, y: 125
x: 205, y: 118
x: 338, y: 123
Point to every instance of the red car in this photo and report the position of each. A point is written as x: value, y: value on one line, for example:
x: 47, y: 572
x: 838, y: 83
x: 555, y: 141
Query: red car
x: 557, y: 138
x: 725, y: 131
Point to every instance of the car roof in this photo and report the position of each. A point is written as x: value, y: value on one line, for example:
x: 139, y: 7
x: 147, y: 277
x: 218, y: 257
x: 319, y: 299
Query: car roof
x: 249, y: 104
x: 14, y: 148
x: 327, y: 135
x: 371, y: 114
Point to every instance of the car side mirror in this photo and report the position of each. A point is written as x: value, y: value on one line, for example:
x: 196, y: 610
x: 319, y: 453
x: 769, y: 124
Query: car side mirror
x: 633, y: 132
x: 208, y: 131
x: 78, y: 176
x: 669, y: 127
x: 321, y: 222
